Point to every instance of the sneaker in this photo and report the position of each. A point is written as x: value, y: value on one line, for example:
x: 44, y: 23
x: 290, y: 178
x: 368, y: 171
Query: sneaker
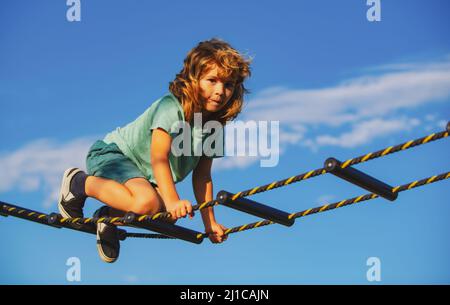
x: 70, y: 205
x: 108, y: 244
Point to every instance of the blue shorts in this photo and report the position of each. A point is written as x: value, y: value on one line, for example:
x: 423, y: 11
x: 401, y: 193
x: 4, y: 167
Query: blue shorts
x: 108, y: 161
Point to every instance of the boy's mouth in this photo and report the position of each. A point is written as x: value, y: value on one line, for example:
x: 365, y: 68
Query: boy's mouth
x: 214, y: 102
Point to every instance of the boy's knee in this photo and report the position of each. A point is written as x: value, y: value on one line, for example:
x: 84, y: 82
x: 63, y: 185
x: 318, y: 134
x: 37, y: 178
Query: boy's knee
x: 146, y: 206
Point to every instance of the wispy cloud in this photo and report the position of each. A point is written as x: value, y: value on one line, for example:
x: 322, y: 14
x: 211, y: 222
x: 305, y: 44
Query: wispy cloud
x: 40, y: 165
x: 364, y: 133
x: 264, y: 151
x: 325, y: 199
x: 131, y: 279
x: 354, y: 100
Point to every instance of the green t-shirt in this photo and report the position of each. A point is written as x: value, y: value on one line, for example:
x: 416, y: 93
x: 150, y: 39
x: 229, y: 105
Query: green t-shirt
x: 134, y: 139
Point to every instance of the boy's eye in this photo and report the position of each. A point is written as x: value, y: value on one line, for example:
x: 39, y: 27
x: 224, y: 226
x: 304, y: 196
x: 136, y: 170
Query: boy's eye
x: 227, y: 84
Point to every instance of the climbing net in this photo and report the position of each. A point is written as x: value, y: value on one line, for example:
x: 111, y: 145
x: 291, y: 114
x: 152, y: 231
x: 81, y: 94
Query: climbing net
x: 343, y: 170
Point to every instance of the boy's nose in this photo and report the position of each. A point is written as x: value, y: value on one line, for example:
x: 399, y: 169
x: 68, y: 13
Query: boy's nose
x: 219, y: 89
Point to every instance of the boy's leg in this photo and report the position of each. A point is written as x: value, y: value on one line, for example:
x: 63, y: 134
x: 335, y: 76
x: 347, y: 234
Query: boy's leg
x: 138, y: 187
x: 136, y: 195
x: 163, y: 207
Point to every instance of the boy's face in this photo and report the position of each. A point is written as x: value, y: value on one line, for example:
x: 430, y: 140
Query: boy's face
x: 215, y: 92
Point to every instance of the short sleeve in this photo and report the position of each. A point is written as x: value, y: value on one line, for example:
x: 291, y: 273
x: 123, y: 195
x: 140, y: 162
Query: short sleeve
x: 166, y: 115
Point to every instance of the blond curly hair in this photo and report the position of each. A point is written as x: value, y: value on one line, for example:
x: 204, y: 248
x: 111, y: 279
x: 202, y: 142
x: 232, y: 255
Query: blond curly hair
x: 207, y: 54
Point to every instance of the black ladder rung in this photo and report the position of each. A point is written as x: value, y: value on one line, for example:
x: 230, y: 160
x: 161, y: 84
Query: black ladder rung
x: 90, y: 228
x: 164, y: 228
x: 360, y: 179
x: 16, y: 212
x: 254, y: 208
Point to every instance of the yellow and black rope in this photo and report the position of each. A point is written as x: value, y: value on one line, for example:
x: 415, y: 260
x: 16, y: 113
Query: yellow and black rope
x: 7, y: 209
x: 342, y: 203
x: 353, y: 161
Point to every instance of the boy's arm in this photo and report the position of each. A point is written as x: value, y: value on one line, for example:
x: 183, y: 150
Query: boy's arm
x: 203, y: 188
x: 159, y: 158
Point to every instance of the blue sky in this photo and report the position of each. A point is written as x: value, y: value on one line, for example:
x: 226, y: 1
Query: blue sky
x: 339, y: 85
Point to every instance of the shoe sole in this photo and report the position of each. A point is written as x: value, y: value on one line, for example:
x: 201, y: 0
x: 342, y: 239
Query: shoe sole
x: 65, y: 188
x: 103, y: 256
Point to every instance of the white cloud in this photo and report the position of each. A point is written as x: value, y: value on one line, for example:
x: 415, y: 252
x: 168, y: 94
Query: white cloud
x: 442, y: 124
x: 365, y: 132
x: 40, y: 165
x: 353, y: 100
x: 252, y: 143
x: 131, y: 279
x: 430, y: 117
x: 234, y: 162
x: 325, y: 199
